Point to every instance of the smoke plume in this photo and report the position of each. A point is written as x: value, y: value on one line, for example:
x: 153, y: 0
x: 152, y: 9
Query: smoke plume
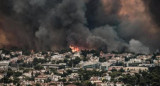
x: 110, y: 25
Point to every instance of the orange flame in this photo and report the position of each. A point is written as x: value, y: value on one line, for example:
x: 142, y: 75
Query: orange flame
x: 74, y: 48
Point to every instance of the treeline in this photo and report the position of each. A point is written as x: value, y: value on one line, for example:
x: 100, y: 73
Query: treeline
x: 150, y: 78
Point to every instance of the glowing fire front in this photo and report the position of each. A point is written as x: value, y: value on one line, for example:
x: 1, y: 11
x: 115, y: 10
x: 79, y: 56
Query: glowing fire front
x: 74, y: 48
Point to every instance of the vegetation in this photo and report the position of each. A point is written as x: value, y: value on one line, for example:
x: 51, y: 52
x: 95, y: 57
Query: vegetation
x: 86, y: 75
x: 73, y: 62
x: 151, y: 78
x: 38, y: 67
x: 94, y: 52
x: 37, y: 61
x: 103, y: 59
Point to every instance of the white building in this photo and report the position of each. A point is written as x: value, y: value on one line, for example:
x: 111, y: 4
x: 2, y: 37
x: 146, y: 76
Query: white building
x: 4, y: 65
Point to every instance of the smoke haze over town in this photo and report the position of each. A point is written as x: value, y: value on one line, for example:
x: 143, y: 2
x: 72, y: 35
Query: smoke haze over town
x: 109, y: 25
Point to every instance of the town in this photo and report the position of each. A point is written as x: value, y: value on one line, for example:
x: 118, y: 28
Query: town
x: 78, y: 68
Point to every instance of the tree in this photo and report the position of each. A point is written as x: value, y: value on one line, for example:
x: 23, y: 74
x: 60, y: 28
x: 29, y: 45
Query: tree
x: 150, y: 78
x: 115, y: 74
x: 121, y: 70
x: 9, y: 72
x: 85, y: 59
x: 48, y: 80
x: 15, y: 80
x: 38, y: 67
x: 5, y: 80
x: 20, y: 61
x: 103, y: 59
x: 126, y: 59
x: 26, y: 52
x: 62, y: 80
x: 84, y: 53
x: 154, y: 56
x: 26, y: 71
x: 119, y: 64
x: 67, y: 56
x: 17, y: 74
x: 86, y: 75
x: 36, y: 61
x: 113, y: 70
x: 76, y: 60
x: 73, y: 62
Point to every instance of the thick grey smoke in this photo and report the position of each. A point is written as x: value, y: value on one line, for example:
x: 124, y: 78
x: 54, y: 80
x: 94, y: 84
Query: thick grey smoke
x: 110, y: 37
x: 89, y: 24
x: 138, y: 47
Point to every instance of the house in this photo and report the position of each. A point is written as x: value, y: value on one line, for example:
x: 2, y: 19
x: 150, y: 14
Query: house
x: 26, y: 83
x: 112, y: 61
x: 54, y: 77
x: 90, y: 65
x: 59, y: 84
x: 110, y: 84
x: 49, y: 65
x: 2, y: 55
x: 44, y: 84
x: 40, y: 57
x: 107, y: 56
x: 7, y: 56
x: 71, y: 85
x: 28, y: 74
x: 96, y: 80
x: 41, y: 78
x: 146, y: 65
x: 4, y: 65
x: 75, y: 69
x: 62, y: 64
x: 74, y: 76
x: 52, y: 83
x: 105, y: 65
x: 107, y: 77
x: 102, y: 84
x: 135, y: 60
x: 57, y: 57
x: 119, y: 84
x: 1, y: 76
x: 77, y: 54
x: 61, y: 71
x: 115, y: 67
x: 135, y: 69
x: 14, y: 59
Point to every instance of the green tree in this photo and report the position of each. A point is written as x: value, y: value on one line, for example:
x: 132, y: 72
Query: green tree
x: 76, y: 60
x: 16, y: 80
x: 121, y: 70
x: 17, y: 74
x: 62, y: 80
x: 38, y: 67
x: 103, y: 59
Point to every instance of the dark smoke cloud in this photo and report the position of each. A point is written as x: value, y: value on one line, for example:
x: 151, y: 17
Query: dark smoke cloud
x: 108, y: 25
x: 153, y: 7
x: 102, y: 12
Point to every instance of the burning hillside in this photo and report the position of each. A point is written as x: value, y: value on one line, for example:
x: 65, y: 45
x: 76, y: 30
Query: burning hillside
x: 110, y: 25
x: 74, y: 48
